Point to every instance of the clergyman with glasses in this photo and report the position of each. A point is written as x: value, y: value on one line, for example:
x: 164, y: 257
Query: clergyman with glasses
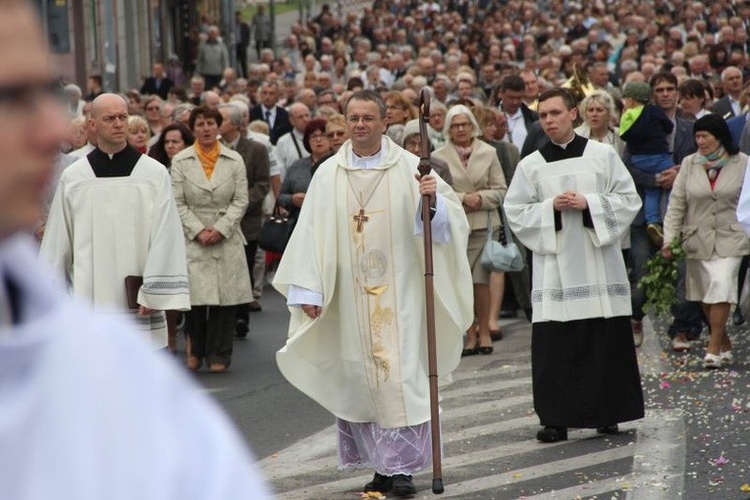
x: 352, y: 274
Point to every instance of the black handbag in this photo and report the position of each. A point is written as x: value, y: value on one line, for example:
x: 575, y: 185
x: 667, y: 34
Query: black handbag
x: 276, y: 231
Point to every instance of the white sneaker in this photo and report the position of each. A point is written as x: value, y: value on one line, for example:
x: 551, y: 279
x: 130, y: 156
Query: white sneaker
x: 712, y: 361
x: 727, y: 358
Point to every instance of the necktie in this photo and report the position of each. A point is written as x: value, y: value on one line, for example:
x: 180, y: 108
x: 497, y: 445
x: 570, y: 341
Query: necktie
x: 268, y: 118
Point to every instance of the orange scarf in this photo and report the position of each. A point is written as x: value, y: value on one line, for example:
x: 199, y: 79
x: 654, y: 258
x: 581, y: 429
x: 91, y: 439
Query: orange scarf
x: 208, y: 158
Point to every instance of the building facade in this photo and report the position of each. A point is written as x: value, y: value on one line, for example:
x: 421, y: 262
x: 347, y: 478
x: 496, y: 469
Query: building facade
x: 121, y: 39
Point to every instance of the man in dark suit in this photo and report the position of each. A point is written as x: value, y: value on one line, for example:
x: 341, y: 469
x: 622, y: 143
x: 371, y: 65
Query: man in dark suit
x: 686, y: 323
x: 241, y: 42
x: 257, y: 165
x: 729, y: 106
x: 737, y: 126
x: 509, y: 96
x: 744, y: 142
x: 157, y: 84
x: 268, y: 111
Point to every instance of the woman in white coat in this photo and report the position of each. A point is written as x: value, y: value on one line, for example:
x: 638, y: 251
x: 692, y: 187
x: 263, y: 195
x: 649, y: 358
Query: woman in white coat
x: 210, y: 187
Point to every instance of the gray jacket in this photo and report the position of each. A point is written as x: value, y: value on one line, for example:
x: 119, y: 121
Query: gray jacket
x: 212, y: 58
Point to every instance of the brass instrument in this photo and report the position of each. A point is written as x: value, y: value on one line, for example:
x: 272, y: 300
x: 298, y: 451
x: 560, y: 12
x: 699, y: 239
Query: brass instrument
x: 579, y: 84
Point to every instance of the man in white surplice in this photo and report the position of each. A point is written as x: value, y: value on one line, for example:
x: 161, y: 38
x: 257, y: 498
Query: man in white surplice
x: 114, y: 215
x: 89, y: 410
x: 571, y: 202
x: 353, y: 277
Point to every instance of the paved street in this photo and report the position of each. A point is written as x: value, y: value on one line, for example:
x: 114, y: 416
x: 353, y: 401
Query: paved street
x: 692, y: 444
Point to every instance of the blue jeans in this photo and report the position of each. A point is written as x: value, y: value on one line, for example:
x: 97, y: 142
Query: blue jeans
x: 686, y: 316
x: 652, y: 199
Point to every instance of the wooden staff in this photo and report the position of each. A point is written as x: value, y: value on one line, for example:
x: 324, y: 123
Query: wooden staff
x: 424, y: 169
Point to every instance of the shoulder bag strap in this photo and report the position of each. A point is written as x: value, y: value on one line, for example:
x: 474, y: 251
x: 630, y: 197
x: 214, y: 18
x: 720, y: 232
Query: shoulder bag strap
x: 505, y: 234
x: 294, y: 139
x: 489, y: 225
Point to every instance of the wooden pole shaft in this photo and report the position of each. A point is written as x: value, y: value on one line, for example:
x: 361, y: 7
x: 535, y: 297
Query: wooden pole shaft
x: 424, y: 169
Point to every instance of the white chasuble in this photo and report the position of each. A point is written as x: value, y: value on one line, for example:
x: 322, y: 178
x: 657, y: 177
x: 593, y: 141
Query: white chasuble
x: 102, y: 229
x: 365, y: 358
x: 578, y: 267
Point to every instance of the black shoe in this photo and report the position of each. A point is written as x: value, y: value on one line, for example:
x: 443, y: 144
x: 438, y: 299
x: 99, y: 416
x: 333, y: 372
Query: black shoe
x: 469, y: 351
x: 737, y: 318
x: 486, y: 349
x: 380, y: 483
x: 403, y: 486
x: 241, y: 329
x: 610, y: 429
x: 508, y: 313
x: 552, y: 434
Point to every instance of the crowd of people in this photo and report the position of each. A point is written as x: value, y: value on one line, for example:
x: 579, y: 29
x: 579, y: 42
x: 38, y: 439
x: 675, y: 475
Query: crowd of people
x: 642, y: 107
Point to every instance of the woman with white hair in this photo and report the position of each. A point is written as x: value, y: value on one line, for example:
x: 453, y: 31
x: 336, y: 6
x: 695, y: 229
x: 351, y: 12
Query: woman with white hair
x: 479, y: 182
x: 598, y: 111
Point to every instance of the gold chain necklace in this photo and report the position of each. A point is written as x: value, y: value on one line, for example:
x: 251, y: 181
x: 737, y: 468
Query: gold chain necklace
x: 361, y: 218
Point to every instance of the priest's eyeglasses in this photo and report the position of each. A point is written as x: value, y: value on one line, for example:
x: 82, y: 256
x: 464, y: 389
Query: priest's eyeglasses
x: 366, y: 118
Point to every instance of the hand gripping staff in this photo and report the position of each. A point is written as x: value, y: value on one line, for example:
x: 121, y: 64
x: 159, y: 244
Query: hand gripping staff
x: 424, y: 169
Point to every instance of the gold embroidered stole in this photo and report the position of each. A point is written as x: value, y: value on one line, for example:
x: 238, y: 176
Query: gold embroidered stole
x: 372, y: 255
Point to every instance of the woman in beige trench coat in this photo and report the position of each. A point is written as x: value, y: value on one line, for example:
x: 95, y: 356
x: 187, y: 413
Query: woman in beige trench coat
x: 210, y: 187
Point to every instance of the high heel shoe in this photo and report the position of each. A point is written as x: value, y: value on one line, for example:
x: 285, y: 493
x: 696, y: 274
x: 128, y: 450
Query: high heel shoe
x: 712, y: 361
x: 486, y: 349
x: 469, y: 351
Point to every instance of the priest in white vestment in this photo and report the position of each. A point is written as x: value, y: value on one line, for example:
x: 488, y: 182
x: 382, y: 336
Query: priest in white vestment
x: 353, y: 275
x: 114, y: 215
x: 88, y: 410
x: 571, y: 202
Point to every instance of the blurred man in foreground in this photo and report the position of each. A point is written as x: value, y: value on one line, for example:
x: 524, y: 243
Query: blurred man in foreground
x: 88, y: 410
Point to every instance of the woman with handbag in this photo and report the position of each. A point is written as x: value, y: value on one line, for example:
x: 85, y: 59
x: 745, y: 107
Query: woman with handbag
x: 210, y: 188
x: 494, y: 127
x: 480, y: 185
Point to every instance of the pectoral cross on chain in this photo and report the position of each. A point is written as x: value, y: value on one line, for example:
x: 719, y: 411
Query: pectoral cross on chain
x: 361, y: 218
